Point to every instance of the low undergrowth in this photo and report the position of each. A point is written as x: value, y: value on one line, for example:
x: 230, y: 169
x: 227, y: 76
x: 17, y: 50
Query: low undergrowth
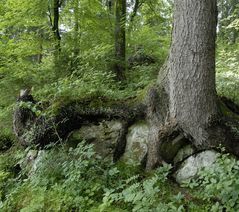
x: 67, y: 179
x: 79, y: 180
x: 219, y: 185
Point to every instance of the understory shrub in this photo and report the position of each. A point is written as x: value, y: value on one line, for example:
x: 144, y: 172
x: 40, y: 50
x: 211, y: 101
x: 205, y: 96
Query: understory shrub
x: 65, y: 180
x: 219, y: 184
x: 68, y: 179
x: 149, y: 194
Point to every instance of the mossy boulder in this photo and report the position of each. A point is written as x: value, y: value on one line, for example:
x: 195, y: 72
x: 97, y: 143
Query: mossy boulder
x: 184, y: 153
x: 171, y: 146
x: 104, y: 136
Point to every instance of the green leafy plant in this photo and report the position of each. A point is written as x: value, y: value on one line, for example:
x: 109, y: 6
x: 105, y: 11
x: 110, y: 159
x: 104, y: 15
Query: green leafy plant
x: 219, y: 184
x: 143, y: 195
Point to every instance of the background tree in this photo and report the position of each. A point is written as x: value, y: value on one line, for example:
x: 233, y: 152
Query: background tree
x: 120, y: 42
x: 54, y: 16
x: 76, y: 27
x: 228, y: 14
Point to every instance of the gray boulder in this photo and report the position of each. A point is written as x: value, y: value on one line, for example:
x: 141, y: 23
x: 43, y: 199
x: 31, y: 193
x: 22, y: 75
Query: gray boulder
x: 31, y: 161
x: 137, y: 140
x: 192, y: 165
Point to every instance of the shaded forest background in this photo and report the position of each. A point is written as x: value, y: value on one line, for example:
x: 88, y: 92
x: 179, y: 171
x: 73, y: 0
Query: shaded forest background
x: 65, y: 50
x: 75, y: 58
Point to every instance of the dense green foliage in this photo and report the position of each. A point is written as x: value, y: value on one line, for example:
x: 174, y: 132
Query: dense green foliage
x: 77, y: 179
x: 219, y: 184
x: 84, y: 66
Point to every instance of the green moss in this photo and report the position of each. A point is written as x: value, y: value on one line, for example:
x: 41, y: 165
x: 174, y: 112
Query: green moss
x: 90, y: 103
x: 170, y: 148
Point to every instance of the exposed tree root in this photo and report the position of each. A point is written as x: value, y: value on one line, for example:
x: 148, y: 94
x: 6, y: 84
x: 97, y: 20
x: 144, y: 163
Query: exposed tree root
x: 221, y: 132
x: 157, y: 137
x: 41, y: 131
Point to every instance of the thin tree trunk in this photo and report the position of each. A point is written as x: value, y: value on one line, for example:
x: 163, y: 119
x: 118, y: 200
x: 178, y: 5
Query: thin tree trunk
x: 55, y: 26
x: 137, y: 5
x: 110, y: 5
x: 135, y: 10
x: 120, y: 44
x: 76, y: 28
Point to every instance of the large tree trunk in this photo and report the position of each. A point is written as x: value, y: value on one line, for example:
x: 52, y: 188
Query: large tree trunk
x: 191, y: 66
x: 189, y: 82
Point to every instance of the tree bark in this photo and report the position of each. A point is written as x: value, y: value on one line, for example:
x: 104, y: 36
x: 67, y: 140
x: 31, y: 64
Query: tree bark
x: 120, y: 44
x: 191, y: 67
x: 189, y: 80
x: 110, y: 5
x: 55, y: 25
x: 76, y: 27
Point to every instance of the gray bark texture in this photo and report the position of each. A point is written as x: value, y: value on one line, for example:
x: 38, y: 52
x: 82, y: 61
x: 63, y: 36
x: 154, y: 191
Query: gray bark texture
x: 188, y: 80
x: 191, y: 77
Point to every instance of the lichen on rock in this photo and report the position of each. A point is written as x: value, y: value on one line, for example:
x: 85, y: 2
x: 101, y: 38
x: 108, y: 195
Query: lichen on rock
x: 104, y: 136
x: 137, y: 143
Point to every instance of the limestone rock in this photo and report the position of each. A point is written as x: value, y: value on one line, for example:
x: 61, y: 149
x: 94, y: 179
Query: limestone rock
x: 137, y: 140
x: 40, y: 157
x: 104, y: 136
x: 31, y: 161
x: 192, y: 165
